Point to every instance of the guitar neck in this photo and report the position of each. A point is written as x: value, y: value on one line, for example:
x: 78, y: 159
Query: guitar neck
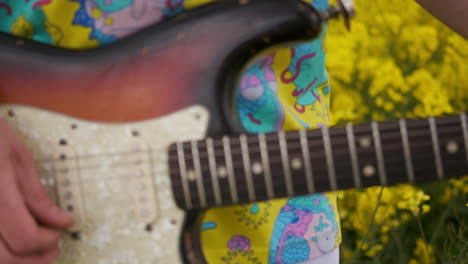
x: 249, y: 168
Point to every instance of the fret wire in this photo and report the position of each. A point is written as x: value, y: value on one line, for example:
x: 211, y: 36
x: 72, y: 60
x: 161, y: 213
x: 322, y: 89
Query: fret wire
x: 379, y: 153
x: 465, y: 133
x: 213, y: 171
x: 266, y: 165
x: 354, y: 156
x: 198, y: 175
x: 247, y: 168
x: 183, y: 176
x: 407, y: 150
x: 230, y: 170
x: 307, y: 161
x: 286, y: 168
x: 435, y: 144
x: 329, y: 158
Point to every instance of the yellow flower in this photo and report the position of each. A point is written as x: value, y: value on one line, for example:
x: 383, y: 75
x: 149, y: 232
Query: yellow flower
x: 397, y: 61
x: 423, y: 253
x: 389, y: 106
x: 413, y: 202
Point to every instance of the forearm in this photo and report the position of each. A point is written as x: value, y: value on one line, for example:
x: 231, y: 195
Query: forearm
x: 453, y: 13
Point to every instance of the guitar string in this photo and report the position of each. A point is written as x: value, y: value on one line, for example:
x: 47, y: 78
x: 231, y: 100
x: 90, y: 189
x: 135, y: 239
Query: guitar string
x: 110, y: 184
x: 293, y: 147
x: 53, y: 194
x: 237, y: 165
x: 216, y: 143
x: 271, y: 137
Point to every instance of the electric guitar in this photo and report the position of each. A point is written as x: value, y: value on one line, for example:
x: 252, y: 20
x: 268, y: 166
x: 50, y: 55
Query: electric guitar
x: 133, y: 137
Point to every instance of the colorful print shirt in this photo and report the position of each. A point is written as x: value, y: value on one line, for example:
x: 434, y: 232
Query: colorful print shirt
x: 285, y: 90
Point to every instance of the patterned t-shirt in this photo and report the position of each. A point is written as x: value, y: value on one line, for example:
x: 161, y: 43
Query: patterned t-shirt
x: 285, y: 90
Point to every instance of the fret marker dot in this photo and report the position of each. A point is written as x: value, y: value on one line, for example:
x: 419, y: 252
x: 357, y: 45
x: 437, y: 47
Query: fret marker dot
x: 257, y: 168
x: 365, y: 142
x: 368, y: 171
x: 296, y: 163
x: 222, y: 172
x: 191, y: 175
x: 452, y: 147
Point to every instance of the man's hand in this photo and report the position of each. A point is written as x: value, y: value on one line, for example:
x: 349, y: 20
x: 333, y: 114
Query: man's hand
x: 30, y: 223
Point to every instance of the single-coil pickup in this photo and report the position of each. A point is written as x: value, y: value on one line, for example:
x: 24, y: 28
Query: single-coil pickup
x: 69, y: 194
x: 141, y: 182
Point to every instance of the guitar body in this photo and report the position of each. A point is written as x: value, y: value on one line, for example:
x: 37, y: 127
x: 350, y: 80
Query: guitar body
x: 113, y: 178
x: 99, y: 121
x: 192, y: 59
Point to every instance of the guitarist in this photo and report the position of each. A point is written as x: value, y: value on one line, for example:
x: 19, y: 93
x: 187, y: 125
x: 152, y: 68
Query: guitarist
x: 30, y: 224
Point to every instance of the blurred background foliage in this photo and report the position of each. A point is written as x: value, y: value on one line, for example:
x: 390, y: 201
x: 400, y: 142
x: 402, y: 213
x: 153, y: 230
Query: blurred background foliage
x: 398, y: 61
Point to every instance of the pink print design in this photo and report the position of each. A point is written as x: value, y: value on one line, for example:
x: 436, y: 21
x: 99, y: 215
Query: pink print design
x: 299, y: 108
x: 7, y: 8
x: 239, y: 243
x: 298, y: 228
x: 298, y: 67
x: 268, y: 74
x: 39, y: 3
x: 169, y: 5
x: 140, y: 13
x: 251, y: 87
x: 296, y: 93
x: 252, y: 118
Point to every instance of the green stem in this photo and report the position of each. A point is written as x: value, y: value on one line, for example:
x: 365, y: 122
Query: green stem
x: 357, y: 252
x: 423, y: 235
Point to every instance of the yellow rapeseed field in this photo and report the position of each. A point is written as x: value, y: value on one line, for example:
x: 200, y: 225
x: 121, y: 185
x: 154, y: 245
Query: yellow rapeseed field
x: 398, y: 61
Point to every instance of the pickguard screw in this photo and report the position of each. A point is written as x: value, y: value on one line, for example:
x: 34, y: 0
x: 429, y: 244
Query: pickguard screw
x: 76, y: 235
x: 149, y: 228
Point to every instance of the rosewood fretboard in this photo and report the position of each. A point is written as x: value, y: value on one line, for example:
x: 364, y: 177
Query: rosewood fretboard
x: 248, y: 168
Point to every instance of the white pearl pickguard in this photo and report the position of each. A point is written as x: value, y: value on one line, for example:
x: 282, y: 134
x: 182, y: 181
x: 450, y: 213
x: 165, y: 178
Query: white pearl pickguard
x: 109, y: 159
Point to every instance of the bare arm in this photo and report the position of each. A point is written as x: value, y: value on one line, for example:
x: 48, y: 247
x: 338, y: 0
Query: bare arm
x: 453, y: 13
